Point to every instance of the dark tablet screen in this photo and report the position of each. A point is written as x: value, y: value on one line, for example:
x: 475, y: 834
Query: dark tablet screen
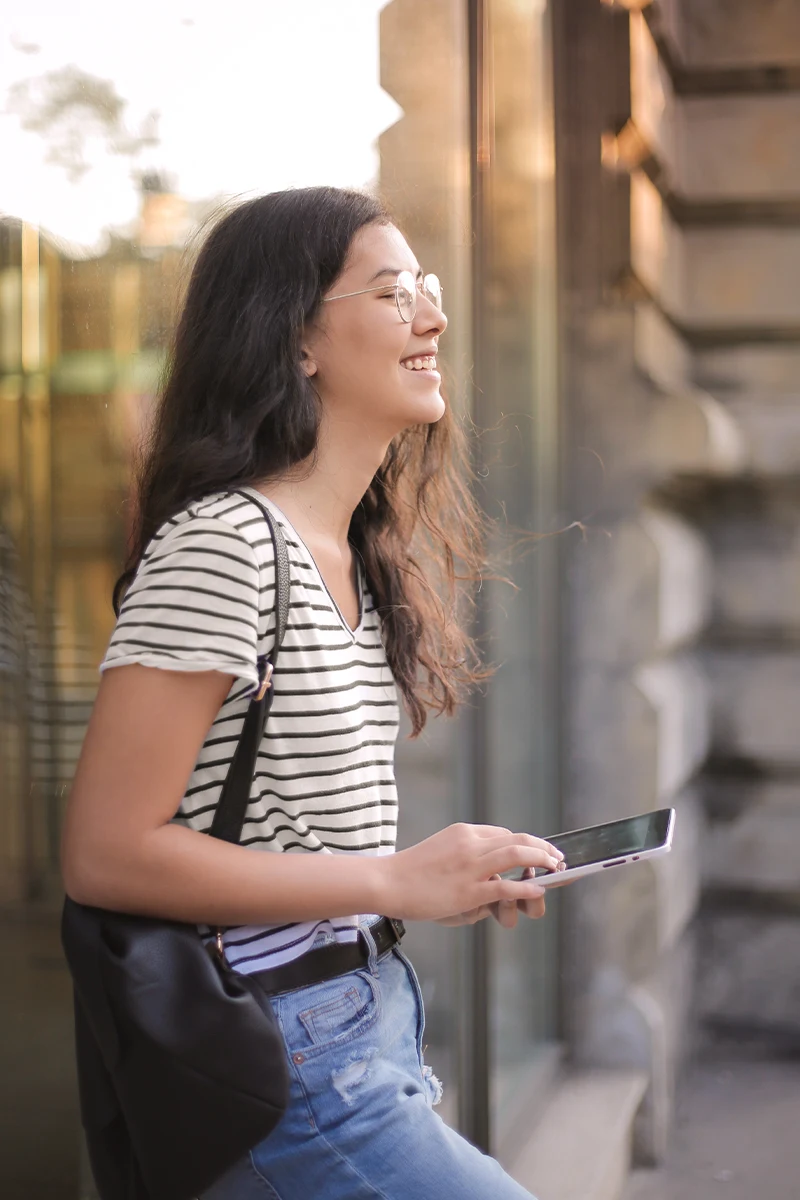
x: 616, y: 839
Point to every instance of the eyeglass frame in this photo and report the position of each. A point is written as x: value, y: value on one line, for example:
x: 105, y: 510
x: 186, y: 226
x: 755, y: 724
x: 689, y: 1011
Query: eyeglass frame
x: 419, y: 286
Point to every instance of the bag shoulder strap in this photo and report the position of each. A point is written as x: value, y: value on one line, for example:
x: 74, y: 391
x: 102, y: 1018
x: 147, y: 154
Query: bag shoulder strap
x: 235, y: 796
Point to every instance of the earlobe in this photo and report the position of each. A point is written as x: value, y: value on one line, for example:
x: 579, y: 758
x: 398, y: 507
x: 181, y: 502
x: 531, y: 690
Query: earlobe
x: 307, y: 363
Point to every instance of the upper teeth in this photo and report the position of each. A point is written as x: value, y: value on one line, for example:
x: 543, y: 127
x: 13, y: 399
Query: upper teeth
x: 420, y: 364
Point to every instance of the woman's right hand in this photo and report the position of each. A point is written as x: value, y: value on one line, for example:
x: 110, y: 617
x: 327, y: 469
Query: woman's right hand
x: 457, y: 871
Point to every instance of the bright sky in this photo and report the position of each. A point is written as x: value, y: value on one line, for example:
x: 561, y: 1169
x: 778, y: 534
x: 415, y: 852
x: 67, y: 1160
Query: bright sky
x: 253, y: 94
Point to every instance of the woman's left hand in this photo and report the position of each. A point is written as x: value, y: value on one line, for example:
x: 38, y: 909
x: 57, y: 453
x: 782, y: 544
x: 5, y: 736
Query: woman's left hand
x: 505, y: 912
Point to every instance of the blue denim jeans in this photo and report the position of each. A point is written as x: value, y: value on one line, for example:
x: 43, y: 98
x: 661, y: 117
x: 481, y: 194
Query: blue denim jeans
x: 360, y: 1122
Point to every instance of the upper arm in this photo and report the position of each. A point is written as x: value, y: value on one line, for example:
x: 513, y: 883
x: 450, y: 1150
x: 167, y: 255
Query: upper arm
x: 193, y: 604
x: 188, y: 627
x: 142, y: 743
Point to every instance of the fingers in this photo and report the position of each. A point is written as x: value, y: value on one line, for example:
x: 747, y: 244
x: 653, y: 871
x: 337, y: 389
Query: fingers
x: 456, y: 865
x: 495, y: 890
x: 562, y: 883
x: 505, y: 858
x: 506, y: 838
x: 532, y: 908
x: 505, y: 912
x: 467, y: 918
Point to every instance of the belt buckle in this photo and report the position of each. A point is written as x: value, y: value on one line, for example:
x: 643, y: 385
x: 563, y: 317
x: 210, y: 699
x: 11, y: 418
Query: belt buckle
x: 398, y: 928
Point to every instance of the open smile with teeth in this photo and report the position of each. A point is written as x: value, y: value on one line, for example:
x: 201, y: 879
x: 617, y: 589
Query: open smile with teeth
x: 420, y: 364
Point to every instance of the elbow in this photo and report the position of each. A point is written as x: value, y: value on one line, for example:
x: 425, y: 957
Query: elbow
x: 78, y: 881
x: 82, y: 874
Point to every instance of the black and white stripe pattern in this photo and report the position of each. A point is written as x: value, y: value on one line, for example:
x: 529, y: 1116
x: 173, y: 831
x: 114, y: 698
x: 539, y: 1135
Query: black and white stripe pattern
x: 203, y: 599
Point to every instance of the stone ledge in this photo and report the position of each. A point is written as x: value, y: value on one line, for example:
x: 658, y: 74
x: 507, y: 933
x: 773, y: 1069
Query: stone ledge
x: 755, y: 699
x: 660, y: 351
x: 631, y: 751
x: 656, y: 569
x: 711, y: 148
x: 642, y: 1026
x: 691, y: 432
x: 734, y: 33
x: 713, y: 279
x: 739, y: 277
x: 757, y: 579
x: 738, y: 148
x: 759, y: 850
x: 770, y: 429
x: 676, y: 690
x: 581, y: 1147
x: 750, y: 976
x: 734, y: 371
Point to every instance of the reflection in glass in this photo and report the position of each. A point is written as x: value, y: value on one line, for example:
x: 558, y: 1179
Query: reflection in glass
x: 424, y: 176
x: 118, y: 140
x: 517, y: 408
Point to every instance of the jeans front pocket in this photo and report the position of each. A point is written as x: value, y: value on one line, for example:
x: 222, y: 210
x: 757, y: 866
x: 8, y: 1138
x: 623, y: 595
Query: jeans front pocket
x: 329, y: 1014
x: 328, y: 1020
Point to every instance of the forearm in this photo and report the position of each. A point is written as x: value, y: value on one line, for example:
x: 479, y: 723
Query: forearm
x: 177, y: 873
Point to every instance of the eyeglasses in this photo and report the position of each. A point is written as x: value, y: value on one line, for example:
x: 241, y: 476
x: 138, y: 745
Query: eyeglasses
x: 405, y: 288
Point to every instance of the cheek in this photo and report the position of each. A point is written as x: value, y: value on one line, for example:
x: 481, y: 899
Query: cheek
x: 364, y: 350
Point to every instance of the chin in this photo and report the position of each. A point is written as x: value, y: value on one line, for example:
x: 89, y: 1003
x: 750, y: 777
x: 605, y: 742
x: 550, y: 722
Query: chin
x: 431, y: 411
x: 423, y: 410
x: 441, y: 409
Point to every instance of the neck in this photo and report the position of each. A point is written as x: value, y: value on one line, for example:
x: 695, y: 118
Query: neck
x: 320, y: 502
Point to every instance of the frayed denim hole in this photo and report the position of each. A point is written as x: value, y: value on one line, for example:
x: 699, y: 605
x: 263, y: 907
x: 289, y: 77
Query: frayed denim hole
x: 432, y: 1085
x: 355, y: 1074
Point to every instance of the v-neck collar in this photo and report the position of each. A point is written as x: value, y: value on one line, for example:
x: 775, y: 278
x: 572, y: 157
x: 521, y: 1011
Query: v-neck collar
x: 281, y: 515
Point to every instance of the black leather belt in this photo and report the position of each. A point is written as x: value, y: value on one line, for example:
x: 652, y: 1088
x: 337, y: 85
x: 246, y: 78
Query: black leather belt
x: 326, y: 962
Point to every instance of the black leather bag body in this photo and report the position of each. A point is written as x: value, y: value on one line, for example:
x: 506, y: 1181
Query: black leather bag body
x: 181, y: 1065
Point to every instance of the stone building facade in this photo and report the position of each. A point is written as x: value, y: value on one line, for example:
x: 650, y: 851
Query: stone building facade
x: 679, y: 218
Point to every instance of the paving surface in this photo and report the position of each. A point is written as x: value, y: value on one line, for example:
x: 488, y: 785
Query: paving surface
x: 737, y: 1132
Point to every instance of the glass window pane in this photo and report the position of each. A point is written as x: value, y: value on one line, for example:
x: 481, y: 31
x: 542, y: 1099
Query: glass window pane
x: 517, y: 408
x: 425, y: 180
x: 117, y: 144
x: 118, y: 139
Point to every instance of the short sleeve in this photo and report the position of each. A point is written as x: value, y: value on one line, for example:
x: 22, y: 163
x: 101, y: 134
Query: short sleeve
x: 193, y: 604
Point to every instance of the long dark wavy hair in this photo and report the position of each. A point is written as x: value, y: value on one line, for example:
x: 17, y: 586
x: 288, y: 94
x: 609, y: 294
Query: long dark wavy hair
x: 236, y: 409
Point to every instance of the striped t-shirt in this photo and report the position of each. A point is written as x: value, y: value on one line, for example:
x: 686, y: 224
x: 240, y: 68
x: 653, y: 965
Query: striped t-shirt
x: 203, y: 599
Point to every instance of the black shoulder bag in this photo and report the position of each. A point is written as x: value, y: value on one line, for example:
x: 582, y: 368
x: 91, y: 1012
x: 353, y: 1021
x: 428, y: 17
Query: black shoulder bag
x: 181, y: 1065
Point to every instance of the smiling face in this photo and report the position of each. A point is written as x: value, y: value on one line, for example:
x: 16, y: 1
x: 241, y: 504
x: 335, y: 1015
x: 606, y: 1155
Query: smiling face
x: 368, y: 365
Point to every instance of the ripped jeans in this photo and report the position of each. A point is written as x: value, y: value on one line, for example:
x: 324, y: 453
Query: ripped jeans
x: 360, y: 1123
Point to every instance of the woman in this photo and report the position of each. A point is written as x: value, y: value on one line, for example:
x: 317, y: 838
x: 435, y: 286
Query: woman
x: 303, y: 375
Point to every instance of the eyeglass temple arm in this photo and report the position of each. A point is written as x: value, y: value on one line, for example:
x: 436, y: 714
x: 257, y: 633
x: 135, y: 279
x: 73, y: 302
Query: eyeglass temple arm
x: 361, y: 292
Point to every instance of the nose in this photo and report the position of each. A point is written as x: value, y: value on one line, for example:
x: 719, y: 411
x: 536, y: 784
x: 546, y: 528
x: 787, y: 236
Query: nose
x: 428, y: 318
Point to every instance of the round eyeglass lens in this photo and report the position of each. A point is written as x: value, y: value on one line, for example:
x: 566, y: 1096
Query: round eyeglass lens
x: 433, y: 289
x: 406, y: 296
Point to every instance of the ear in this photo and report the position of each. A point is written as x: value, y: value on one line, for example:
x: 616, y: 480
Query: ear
x: 307, y: 363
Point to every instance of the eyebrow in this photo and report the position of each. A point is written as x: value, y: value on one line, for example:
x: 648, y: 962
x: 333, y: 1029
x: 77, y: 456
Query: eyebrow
x: 393, y: 271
